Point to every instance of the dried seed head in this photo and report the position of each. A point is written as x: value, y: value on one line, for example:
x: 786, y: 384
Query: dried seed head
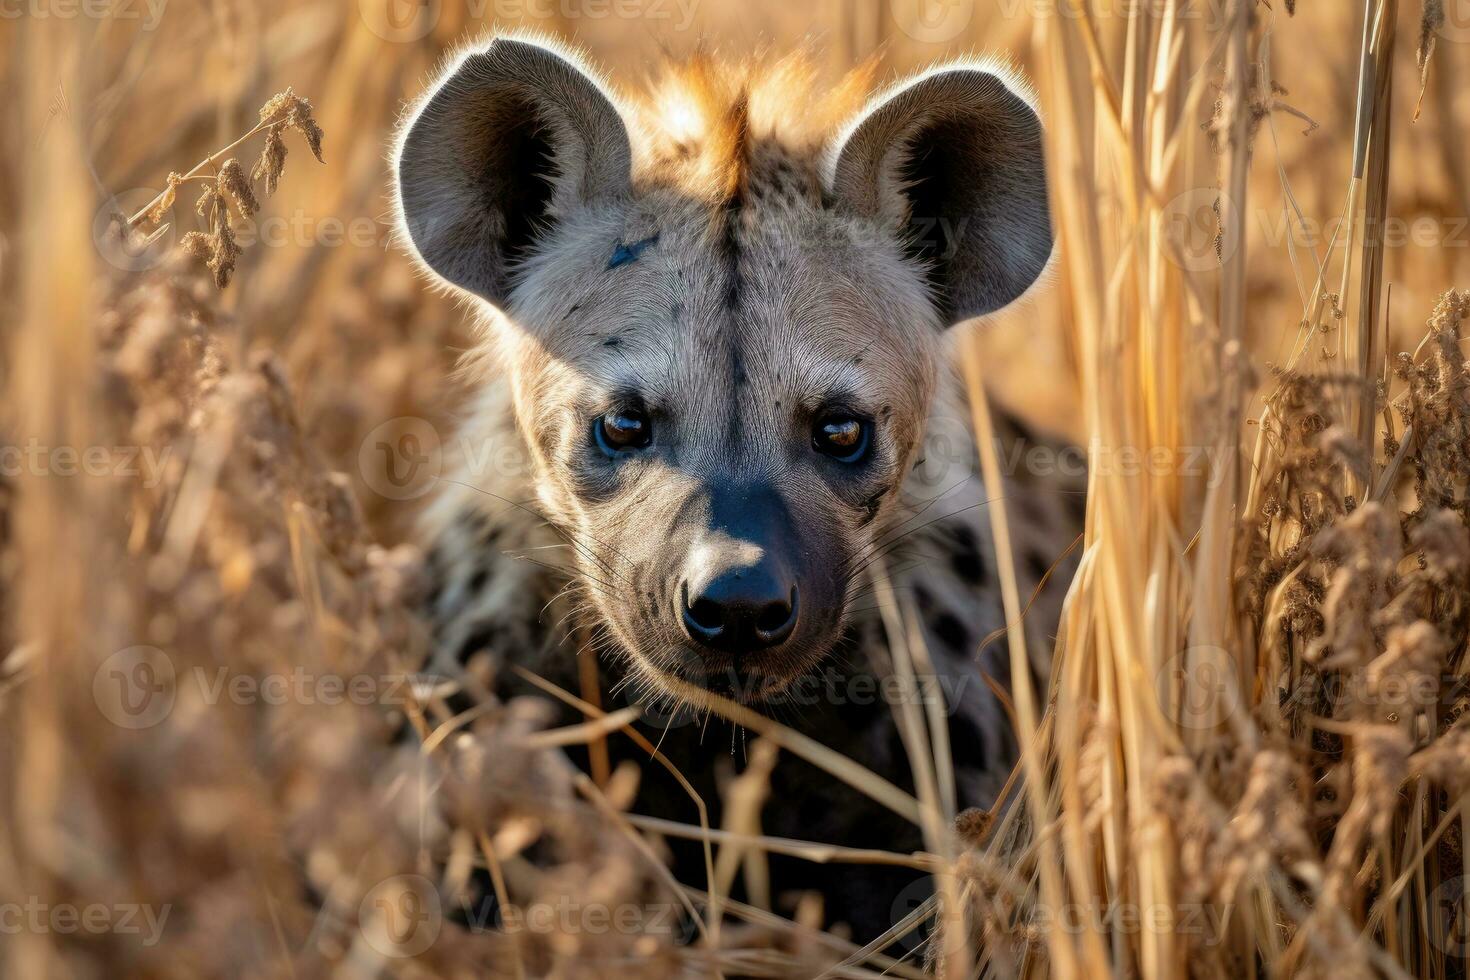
x: 166, y: 199
x: 1380, y: 763
x: 277, y: 106
x: 973, y: 826
x: 1430, y: 22
x: 208, y: 201
x: 226, y: 251
x: 232, y: 185
x: 197, y: 244
x: 291, y: 110
x: 302, y: 121
x: 1445, y: 543
x: 272, y: 161
x: 1447, y: 760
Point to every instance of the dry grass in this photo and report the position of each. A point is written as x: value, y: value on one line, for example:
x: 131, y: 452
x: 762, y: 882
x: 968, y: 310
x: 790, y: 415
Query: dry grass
x: 1250, y: 759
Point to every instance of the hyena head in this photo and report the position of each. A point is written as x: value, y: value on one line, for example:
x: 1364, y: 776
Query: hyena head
x: 721, y: 315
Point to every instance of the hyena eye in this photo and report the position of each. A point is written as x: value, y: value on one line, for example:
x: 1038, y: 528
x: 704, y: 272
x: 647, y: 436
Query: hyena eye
x: 622, y: 430
x: 843, y: 436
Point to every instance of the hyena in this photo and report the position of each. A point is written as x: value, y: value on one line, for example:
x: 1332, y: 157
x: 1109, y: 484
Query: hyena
x: 714, y: 329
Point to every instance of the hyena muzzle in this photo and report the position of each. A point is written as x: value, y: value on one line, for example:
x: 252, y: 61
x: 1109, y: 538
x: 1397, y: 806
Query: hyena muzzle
x: 714, y: 329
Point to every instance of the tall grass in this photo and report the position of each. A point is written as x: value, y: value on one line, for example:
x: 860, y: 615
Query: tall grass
x: 1225, y: 776
x: 1229, y: 786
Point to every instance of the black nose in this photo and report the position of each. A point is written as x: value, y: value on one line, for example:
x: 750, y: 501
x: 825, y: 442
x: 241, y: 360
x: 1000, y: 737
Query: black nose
x: 742, y: 610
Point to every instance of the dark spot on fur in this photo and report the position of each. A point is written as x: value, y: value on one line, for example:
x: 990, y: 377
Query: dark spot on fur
x: 1038, y: 564
x: 478, y: 580
x: 612, y: 341
x: 871, y: 505
x: 485, y: 636
x: 966, y: 560
x: 998, y: 665
x: 624, y: 254
x: 924, y: 598
x: 952, y: 632
x: 966, y: 742
x: 1076, y: 507
x: 1031, y: 507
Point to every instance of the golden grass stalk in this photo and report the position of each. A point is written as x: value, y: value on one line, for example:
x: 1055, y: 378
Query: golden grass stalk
x: 1186, y: 792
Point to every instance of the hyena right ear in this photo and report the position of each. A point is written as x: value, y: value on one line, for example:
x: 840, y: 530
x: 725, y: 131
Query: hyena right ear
x: 511, y: 138
x: 952, y: 161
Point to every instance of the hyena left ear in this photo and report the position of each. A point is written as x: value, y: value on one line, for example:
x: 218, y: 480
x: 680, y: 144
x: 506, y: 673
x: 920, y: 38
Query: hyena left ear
x: 515, y: 136
x: 952, y: 161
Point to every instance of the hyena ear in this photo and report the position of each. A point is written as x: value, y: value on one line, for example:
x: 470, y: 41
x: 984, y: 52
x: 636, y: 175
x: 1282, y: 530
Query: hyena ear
x: 513, y: 137
x: 953, y: 162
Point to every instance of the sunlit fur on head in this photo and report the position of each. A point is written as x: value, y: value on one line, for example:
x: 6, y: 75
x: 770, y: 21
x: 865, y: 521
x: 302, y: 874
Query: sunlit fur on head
x: 759, y: 294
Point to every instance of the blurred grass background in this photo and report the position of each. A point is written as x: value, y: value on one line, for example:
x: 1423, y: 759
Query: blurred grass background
x: 326, y: 333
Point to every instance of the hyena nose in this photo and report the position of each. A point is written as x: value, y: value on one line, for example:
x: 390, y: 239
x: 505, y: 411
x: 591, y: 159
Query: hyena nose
x: 742, y: 610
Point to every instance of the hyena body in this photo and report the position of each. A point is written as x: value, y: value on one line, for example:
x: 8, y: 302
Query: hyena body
x: 715, y: 348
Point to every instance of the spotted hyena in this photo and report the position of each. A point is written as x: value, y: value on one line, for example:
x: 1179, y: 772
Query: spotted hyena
x: 717, y: 406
